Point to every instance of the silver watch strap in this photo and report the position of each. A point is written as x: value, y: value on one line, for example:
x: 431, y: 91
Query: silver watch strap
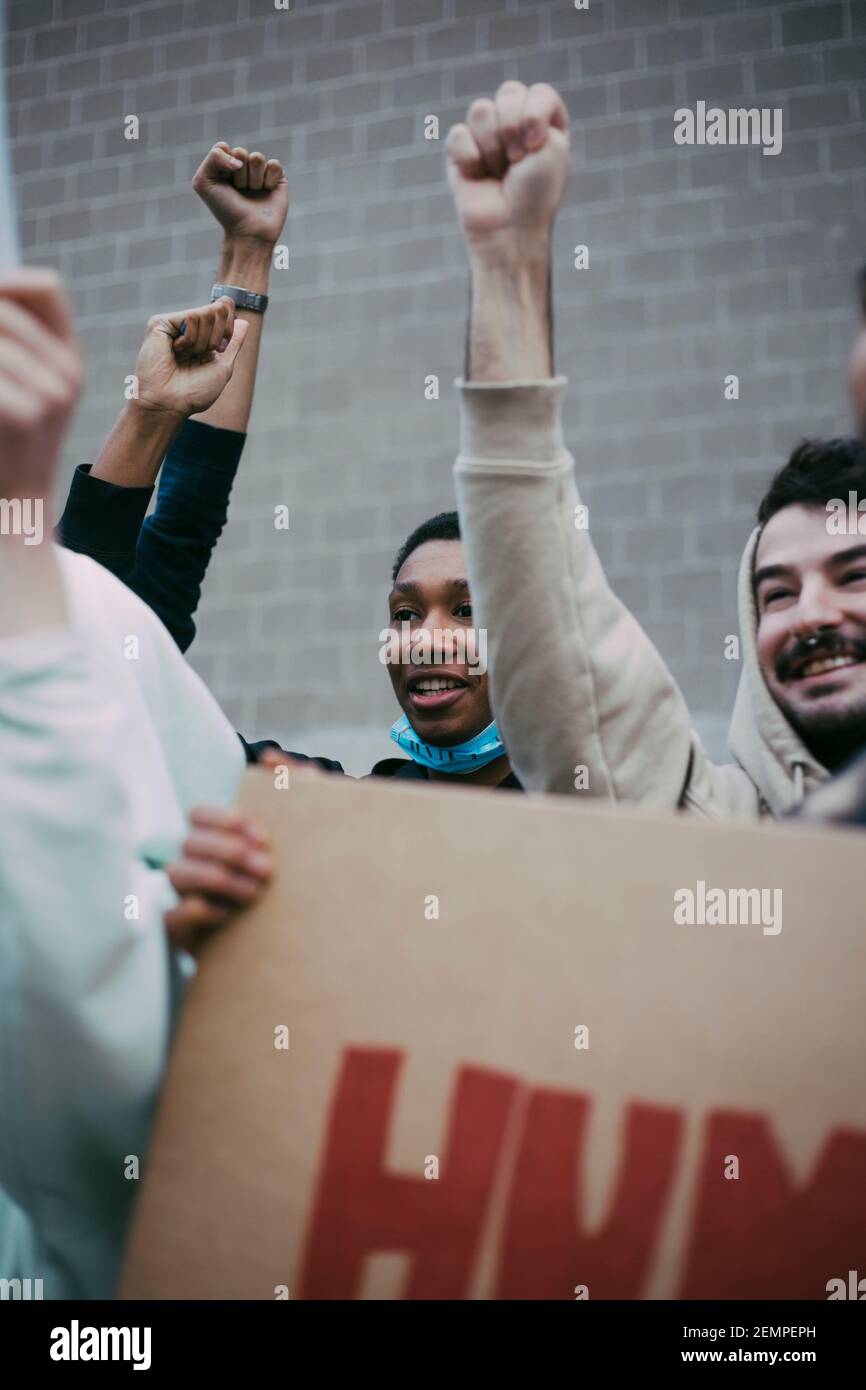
x: 244, y: 299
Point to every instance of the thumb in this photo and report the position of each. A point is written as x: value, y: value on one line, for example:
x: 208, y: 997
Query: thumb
x: 236, y: 342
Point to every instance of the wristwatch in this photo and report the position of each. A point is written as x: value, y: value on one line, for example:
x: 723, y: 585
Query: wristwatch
x: 244, y: 299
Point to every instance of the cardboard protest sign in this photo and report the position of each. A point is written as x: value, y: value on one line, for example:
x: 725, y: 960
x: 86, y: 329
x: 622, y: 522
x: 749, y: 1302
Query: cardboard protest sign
x: 480, y: 1045
x: 9, y: 252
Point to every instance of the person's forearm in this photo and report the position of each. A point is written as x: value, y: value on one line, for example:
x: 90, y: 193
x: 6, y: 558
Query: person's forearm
x: 30, y: 580
x: 246, y: 264
x: 510, y: 316
x: 133, y: 453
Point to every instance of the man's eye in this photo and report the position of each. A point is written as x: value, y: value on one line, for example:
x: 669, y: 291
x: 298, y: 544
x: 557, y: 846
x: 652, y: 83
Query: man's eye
x: 402, y: 615
x: 775, y: 596
x: 854, y: 576
x: 463, y: 611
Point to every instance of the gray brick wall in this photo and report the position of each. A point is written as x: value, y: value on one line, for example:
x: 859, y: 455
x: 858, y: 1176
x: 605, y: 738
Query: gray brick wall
x: 703, y: 262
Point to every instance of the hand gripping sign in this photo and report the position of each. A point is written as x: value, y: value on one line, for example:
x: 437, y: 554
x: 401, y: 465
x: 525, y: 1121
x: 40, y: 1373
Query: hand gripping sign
x: 470, y: 1046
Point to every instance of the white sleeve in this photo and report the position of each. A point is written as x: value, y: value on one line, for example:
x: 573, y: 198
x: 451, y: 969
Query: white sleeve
x: 86, y: 977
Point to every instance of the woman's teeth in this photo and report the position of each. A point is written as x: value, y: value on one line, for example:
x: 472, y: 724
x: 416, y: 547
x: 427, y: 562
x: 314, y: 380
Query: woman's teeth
x: 432, y: 686
x: 830, y: 663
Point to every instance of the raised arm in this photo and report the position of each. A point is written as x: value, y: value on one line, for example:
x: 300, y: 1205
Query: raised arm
x: 83, y: 992
x: 164, y: 559
x: 582, y: 698
x: 249, y: 196
x: 40, y: 381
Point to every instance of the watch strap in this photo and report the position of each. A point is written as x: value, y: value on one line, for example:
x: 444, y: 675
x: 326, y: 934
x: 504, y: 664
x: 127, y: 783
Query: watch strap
x: 243, y: 299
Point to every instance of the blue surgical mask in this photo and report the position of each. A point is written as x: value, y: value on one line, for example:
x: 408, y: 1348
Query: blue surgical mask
x: 460, y: 757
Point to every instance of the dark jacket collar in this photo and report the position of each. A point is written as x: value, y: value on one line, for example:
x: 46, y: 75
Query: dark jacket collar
x: 407, y: 770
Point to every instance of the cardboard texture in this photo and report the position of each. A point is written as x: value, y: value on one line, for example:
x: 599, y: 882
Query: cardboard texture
x: 564, y: 1171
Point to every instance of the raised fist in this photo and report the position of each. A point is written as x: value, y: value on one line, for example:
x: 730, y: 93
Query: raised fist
x: 187, y: 358
x: 507, y: 166
x: 247, y: 193
x: 40, y: 380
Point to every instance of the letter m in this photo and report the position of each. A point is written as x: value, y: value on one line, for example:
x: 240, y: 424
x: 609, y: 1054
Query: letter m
x: 10, y: 1288
x: 764, y: 1236
x: 360, y: 1208
x: 744, y: 126
x: 10, y: 525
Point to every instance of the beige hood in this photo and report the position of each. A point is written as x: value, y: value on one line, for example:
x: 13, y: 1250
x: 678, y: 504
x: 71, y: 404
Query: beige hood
x: 760, y: 738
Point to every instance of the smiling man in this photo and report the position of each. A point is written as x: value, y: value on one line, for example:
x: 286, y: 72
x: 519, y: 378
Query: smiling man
x: 810, y: 594
x: 436, y: 660
x: 447, y: 726
x: 585, y: 687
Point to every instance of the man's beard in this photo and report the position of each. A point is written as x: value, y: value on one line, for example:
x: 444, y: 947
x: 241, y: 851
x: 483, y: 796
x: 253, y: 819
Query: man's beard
x: 832, y: 736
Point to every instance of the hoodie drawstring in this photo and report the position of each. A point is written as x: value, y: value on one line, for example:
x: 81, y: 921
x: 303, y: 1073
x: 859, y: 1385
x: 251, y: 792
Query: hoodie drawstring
x: 799, y: 772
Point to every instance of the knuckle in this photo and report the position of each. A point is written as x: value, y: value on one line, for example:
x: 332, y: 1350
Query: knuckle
x: 234, y: 856
x: 55, y: 392
x: 30, y: 411
x: 220, y: 880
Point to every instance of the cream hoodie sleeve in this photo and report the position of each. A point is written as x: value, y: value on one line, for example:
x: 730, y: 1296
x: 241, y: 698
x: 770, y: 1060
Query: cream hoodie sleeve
x: 575, y: 681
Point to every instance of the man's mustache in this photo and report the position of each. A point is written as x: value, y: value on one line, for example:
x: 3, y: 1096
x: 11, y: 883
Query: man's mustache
x: 831, y: 645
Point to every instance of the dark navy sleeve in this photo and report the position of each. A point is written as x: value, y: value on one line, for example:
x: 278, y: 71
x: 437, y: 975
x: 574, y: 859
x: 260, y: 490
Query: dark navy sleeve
x: 163, y: 557
x: 178, y: 539
x: 253, y: 752
x: 104, y: 521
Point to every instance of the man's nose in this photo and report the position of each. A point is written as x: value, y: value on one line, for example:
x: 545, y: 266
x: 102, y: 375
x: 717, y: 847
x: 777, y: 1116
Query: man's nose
x: 819, y: 607
x: 441, y: 636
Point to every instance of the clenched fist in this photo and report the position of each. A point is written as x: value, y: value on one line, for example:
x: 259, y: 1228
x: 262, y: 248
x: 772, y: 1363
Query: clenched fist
x: 40, y: 380
x: 187, y: 358
x: 508, y: 164
x: 247, y: 193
